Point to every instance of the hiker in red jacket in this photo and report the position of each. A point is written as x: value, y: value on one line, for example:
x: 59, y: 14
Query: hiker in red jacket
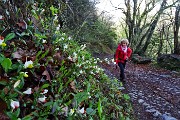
x: 123, y: 53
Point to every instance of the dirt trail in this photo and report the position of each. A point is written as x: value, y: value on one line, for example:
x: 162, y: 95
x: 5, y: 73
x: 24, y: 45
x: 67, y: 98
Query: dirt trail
x: 154, y: 92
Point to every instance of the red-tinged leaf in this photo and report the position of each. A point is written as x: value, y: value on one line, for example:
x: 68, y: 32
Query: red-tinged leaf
x: 3, y: 105
x: 46, y: 73
x: 42, y: 68
x: 33, y: 58
x: 23, y: 59
x: 22, y: 24
x: 6, y: 90
x: 72, y: 85
x: 3, y: 116
x: 3, y: 82
x: 36, y: 89
x: 58, y: 57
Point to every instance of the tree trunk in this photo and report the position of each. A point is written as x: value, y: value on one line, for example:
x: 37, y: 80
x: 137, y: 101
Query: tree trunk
x: 152, y: 27
x: 160, y: 41
x: 141, y: 27
x: 176, y: 31
x: 129, y: 19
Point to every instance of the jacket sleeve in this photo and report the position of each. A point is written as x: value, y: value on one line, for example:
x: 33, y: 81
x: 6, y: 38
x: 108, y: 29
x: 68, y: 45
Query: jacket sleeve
x: 116, y: 56
x: 129, y: 52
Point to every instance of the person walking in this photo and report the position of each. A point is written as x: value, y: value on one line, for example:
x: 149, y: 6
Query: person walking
x: 122, y: 55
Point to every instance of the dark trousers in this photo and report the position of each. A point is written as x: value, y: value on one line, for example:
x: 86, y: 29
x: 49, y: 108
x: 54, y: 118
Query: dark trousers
x: 122, y: 67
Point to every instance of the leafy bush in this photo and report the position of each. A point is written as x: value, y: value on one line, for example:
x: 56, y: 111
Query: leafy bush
x: 60, y: 81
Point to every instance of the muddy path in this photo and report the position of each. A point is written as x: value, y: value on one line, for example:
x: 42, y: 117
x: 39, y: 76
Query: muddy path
x: 155, y: 93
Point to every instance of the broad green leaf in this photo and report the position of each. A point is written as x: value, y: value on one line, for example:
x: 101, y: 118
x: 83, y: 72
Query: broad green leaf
x: 6, y: 64
x: 48, y: 103
x: 99, y: 108
x: 3, y: 82
x: 11, y: 115
x: 35, y: 114
x: 88, y: 87
x: 1, y: 58
x: 44, y: 54
x: 112, y: 95
x: 60, y: 88
x: 55, y: 106
x: 121, y: 84
x: 126, y: 96
x: 9, y: 36
x: 45, y: 86
x: 37, y: 55
x: 40, y: 36
x: 122, y: 116
x: 90, y: 118
x: 34, y: 14
x: 24, y: 33
x: 81, y: 96
x: 27, y: 118
x: 17, y: 112
x: 127, y: 118
x: 17, y: 67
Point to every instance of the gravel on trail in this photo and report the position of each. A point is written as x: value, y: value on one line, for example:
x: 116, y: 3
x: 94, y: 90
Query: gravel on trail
x: 154, y: 92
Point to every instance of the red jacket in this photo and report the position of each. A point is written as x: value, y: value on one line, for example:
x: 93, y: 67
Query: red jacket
x: 121, y: 56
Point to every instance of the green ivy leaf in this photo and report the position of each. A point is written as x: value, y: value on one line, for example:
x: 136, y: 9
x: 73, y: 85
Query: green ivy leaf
x: 6, y: 64
x: 9, y: 36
